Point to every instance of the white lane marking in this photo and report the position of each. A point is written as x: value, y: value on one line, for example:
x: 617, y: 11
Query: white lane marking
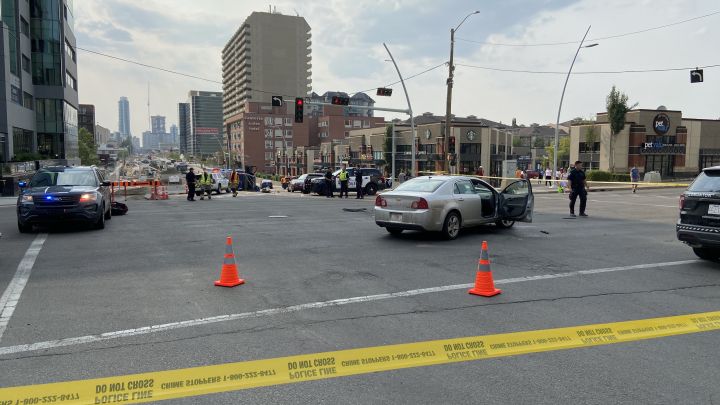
x: 50, y: 344
x: 11, y: 296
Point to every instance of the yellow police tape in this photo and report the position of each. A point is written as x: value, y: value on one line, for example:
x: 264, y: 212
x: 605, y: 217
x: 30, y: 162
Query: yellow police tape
x: 618, y: 183
x: 161, y: 385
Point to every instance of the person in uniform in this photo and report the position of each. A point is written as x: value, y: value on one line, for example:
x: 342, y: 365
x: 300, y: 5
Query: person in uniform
x: 206, y: 181
x: 328, y: 184
x: 343, y: 176
x: 359, y: 183
x: 190, y: 180
x: 234, y: 182
x: 578, y: 188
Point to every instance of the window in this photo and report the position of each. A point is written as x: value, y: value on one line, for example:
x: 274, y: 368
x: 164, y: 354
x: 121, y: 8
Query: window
x: 288, y: 132
x: 357, y: 124
x: 348, y: 124
x: 269, y: 156
x: 15, y: 96
x: 24, y: 27
x: 347, y: 134
x: 70, y: 81
x: 278, y: 121
x: 268, y: 120
x: 268, y: 144
x: 70, y: 52
x: 323, y: 124
x: 287, y: 122
x: 26, y: 64
x: 22, y: 141
x: 278, y: 133
x: 366, y: 124
x: 268, y: 133
x: 27, y: 100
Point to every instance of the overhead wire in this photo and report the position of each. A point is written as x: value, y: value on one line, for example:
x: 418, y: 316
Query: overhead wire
x: 588, y: 72
x: 594, y: 39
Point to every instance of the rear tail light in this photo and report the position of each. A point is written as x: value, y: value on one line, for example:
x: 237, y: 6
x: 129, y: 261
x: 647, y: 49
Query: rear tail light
x: 380, y: 201
x: 420, y: 204
x: 682, y: 201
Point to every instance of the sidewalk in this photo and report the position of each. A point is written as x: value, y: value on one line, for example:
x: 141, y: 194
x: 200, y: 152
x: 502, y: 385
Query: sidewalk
x: 6, y: 201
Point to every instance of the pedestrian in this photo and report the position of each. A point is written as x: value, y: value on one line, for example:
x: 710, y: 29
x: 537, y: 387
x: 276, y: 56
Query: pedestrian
x: 548, y: 176
x: 205, y: 182
x: 328, y: 184
x: 343, y: 177
x: 234, y: 182
x: 190, y: 180
x: 359, y: 184
x: 401, y: 176
x: 518, y: 173
x: 578, y: 188
x: 634, y: 178
x: 481, y: 171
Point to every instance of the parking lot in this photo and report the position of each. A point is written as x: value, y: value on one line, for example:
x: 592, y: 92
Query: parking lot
x: 139, y: 297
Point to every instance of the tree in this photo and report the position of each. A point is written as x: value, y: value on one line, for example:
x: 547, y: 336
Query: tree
x: 617, y: 108
x: 539, y: 142
x: 563, y: 146
x: 388, y: 141
x: 87, y: 148
x: 127, y: 144
x: 591, y: 135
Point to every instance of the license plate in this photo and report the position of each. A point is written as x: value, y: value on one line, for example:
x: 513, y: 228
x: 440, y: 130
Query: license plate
x: 713, y: 209
x: 395, y: 217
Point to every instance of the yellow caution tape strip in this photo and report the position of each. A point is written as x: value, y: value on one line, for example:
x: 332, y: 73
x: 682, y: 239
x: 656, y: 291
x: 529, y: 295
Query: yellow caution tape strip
x: 161, y: 385
x: 619, y: 183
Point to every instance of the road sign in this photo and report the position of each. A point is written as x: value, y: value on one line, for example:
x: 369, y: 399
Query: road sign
x: 277, y: 101
x: 382, y: 91
x: 696, y: 76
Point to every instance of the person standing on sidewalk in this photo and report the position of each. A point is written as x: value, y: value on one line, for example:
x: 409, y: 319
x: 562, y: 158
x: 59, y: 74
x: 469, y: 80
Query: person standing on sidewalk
x: 343, y: 176
x: 190, y: 180
x: 634, y: 178
x: 359, y: 183
x: 578, y: 188
x: 548, y: 177
x: 328, y: 184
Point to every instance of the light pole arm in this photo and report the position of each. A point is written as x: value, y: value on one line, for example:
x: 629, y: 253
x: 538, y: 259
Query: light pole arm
x: 562, y: 96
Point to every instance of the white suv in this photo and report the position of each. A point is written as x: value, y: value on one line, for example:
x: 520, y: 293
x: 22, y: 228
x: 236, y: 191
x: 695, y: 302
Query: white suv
x: 372, y: 180
x: 221, y: 183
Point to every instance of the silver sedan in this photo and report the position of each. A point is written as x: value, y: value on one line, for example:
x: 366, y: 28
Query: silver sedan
x: 448, y: 203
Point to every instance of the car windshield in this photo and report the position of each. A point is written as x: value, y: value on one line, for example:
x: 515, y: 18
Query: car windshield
x: 421, y: 185
x: 303, y: 177
x: 707, y: 181
x: 64, y: 178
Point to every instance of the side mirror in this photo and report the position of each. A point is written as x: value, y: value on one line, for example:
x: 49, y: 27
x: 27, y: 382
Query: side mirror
x: 22, y: 184
x: 106, y: 184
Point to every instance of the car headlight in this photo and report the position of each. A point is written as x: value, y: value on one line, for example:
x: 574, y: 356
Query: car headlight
x: 27, y: 198
x: 88, y: 197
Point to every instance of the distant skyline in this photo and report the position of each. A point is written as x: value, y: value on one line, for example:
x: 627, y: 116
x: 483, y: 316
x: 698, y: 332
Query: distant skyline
x: 348, y: 55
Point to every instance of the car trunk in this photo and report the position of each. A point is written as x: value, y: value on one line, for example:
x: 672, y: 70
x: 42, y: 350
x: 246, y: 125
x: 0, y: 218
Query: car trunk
x: 401, y: 201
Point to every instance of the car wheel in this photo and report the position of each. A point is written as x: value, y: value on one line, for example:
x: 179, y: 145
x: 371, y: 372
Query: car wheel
x: 707, y: 253
x: 24, y: 228
x: 505, y: 223
x: 451, y: 227
x: 394, y: 231
x: 227, y: 190
x: 370, y: 189
x: 100, y: 223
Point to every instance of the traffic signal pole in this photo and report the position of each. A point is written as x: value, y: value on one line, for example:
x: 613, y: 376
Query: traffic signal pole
x: 413, y: 170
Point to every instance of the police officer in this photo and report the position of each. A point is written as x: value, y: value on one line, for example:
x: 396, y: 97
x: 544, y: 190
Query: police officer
x: 328, y: 184
x: 190, y: 180
x: 343, y: 177
x: 578, y: 188
x: 358, y: 183
x: 206, y: 182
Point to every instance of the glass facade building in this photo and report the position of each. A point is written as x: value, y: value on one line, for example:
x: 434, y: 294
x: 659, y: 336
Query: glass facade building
x: 40, y: 118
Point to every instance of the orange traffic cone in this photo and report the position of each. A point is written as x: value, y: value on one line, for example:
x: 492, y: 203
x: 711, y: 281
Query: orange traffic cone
x: 484, y: 284
x: 229, y: 276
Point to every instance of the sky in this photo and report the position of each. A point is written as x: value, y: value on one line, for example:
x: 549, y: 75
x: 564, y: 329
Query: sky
x: 348, y: 54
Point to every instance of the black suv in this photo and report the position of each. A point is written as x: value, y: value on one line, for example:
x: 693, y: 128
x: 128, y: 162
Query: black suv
x: 699, y: 222
x: 64, y: 194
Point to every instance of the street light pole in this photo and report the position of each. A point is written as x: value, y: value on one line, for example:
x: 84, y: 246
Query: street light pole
x: 448, y: 105
x: 562, y: 96
x: 412, y: 117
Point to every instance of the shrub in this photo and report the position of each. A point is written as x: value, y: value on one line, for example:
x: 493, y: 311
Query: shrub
x: 599, y: 175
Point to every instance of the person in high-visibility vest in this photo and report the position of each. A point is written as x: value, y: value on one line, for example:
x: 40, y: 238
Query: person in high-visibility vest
x: 205, y: 181
x: 234, y: 182
x: 343, y: 177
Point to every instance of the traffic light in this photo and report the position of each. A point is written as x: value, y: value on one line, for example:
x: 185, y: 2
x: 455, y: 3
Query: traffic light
x: 339, y: 100
x: 299, y: 105
x: 383, y: 91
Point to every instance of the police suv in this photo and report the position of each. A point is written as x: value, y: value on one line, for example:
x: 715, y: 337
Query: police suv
x: 372, y: 180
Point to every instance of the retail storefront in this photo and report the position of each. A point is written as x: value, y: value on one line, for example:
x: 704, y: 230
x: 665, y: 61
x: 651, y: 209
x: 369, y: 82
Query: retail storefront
x: 652, y: 140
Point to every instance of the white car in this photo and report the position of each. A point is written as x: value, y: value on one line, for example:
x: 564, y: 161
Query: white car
x: 221, y: 183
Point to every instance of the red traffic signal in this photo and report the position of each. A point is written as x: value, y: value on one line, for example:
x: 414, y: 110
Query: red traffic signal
x: 299, y: 104
x: 339, y: 100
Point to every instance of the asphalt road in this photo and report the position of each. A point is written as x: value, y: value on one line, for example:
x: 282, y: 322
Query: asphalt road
x: 157, y: 265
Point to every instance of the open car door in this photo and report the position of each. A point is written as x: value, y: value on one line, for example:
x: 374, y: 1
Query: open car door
x: 517, y: 201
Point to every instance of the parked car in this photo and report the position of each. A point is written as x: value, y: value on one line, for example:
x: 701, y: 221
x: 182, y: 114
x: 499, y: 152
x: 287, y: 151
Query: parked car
x: 297, y: 184
x: 449, y: 203
x: 698, y: 224
x: 307, y: 183
x: 373, y: 180
x: 64, y: 194
x: 220, y: 182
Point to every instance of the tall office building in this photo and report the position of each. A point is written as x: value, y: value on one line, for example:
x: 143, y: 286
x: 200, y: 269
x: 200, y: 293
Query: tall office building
x: 174, y: 134
x: 158, y: 124
x: 38, y: 115
x: 201, y: 123
x: 86, y: 119
x: 269, y: 54
x: 124, y: 117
